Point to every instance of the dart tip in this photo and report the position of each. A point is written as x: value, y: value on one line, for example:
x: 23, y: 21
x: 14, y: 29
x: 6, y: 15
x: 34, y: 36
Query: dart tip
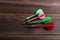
x: 28, y: 23
x: 26, y: 19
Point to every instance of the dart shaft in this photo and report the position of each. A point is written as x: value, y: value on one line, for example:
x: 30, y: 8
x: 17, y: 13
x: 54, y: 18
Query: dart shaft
x: 46, y: 20
x: 32, y: 16
x: 37, y: 12
x: 40, y: 16
x: 32, y: 19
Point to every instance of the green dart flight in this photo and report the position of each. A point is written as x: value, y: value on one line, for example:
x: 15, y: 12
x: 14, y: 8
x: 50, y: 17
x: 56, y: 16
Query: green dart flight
x: 45, y: 20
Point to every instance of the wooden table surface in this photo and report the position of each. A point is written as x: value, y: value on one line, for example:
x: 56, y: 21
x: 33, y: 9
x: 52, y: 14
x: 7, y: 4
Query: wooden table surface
x: 13, y: 12
x: 11, y: 28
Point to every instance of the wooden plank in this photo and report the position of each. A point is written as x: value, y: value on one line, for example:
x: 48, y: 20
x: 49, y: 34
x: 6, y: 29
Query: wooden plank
x: 33, y: 38
x: 13, y: 12
x: 12, y: 24
x: 16, y: 6
x: 26, y: 15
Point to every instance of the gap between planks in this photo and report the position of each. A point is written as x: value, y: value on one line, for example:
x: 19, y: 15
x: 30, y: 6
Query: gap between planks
x: 5, y: 14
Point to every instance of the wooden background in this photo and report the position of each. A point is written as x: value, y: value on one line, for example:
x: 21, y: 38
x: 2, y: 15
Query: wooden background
x: 13, y: 12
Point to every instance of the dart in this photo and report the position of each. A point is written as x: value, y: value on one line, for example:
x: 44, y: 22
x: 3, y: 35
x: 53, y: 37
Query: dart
x: 40, y: 16
x: 44, y: 21
x: 32, y: 19
x: 37, y: 12
x: 48, y: 26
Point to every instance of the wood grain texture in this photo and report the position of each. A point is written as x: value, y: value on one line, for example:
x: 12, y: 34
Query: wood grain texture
x: 11, y: 28
x: 20, y: 6
x: 14, y: 24
x: 13, y: 12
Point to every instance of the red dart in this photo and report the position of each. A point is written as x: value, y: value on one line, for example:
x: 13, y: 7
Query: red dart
x: 48, y: 26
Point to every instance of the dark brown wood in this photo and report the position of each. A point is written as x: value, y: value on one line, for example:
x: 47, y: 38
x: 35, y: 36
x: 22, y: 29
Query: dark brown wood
x: 20, y: 6
x: 11, y: 28
x: 14, y: 24
x: 13, y: 12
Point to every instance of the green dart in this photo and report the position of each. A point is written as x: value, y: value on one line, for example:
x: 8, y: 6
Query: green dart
x: 45, y: 20
x: 37, y: 12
